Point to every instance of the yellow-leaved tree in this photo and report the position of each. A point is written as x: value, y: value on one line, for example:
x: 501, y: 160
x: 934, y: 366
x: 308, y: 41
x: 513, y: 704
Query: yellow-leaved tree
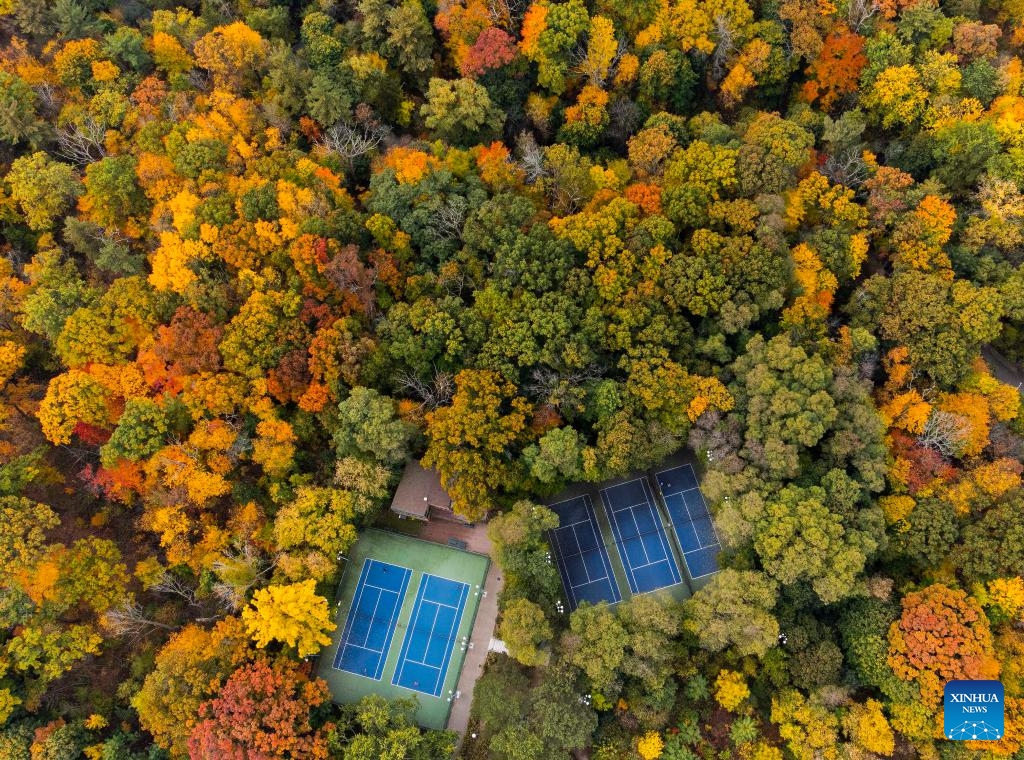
x: 650, y: 745
x: 293, y: 614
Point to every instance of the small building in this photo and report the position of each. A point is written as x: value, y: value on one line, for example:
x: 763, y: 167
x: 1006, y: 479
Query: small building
x: 420, y: 495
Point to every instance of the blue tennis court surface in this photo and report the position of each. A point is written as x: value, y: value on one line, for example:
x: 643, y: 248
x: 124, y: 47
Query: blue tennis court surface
x: 372, y: 618
x: 581, y: 555
x: 641, y: 537
x: 430, y: 638
x: 691, y: 520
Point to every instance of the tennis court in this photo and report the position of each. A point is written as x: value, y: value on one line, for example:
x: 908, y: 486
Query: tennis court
x: 431, y: 635
x: 640, y: 535
x: 581, y: 555
x: 411, y: 637
x: 372, y: 618
x: 691, y: 520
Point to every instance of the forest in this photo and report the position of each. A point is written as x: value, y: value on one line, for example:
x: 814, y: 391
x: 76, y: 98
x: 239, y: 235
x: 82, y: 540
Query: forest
x: 259, y: 254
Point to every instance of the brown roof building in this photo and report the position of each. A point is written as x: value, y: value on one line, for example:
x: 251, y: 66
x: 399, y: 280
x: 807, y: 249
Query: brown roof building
x: 419, y: 491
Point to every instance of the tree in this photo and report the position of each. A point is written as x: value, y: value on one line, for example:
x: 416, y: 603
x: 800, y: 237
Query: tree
x: 799, y: 538
x: 783, y: 395
x: 523, y: 627
x: 189, y: 670
x: 652, y: 627
x: 493, y: 49
x: 233, y: 53
x: 460, y: 111
x: 293, y: 614
x: 43, y: 188
x: 314, y: 528
x: 650, y: 745
x: 410, y: 39
x: 991, y: 545
x: 500, y: 694
x: 867, y: 727
x: 264, y: 710
x: 557, y: 456
x: 941, y: 635
x: 942, y: 325
x: 734, y: 609
x: 835, y: 72
x: 18, y: 120
x: 806, y: 725
x: 562, y: 720
x: 595, y: 643
x: 731, y: 689
x: 264, y: 330
x: 375, y: 728
x: 112, y: 194
x: 519, y: 542
x: 368, y: 426
x: 140, y: 432
x: 23, y: 538
x: 469, y: 441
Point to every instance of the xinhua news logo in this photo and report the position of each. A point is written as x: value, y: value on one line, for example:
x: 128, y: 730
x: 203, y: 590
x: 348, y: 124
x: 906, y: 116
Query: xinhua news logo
x: 973, y: 711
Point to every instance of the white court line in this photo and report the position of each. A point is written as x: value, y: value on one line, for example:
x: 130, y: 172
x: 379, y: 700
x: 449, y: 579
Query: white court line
x: 576, y: 538
x: 674, y: 574
x: 572, y: 525
x: 450, y: 639
x: 670, y: 469
x: 600, y: 548
x: 693, y: 521
x: 403, y: 655
x: 585, y: 568
x: 353, y: 613
x: 617, y: 534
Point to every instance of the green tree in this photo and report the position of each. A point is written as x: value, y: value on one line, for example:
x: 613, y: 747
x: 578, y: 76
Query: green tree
x: 460, y: 111
x: 518, y: 538
x: 43, y: 188
x: 410, y: 40
x: 140, y: 432
x: 734, y: 610
x: 799, y: 539
x: 992, y: 545
x: 18, y: 119
x: 556, y: 457
x: 524, y: 627
x: 113, y: 193
x: 595, y: 643
x: 368, y: 426
x: 376, y: 728
x: 782, y: 395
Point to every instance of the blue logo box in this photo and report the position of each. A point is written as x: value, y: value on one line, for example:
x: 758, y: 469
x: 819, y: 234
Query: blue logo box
x: 973, y: 711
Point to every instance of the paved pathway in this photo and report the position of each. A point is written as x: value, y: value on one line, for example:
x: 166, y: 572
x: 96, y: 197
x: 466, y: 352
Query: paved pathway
x: 439, y: 531
x: 1002, y: 368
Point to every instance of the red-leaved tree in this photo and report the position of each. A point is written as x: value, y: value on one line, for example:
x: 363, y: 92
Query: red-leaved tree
x: 262, y: 712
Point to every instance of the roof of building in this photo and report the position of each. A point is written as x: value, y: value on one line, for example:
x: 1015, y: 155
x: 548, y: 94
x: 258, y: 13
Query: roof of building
x: 419, y: 490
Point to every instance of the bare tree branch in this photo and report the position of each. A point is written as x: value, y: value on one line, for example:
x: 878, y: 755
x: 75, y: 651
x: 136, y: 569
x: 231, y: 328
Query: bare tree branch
x: 944, y: 432
x: 356, y: 138
x: 82, y: 143
x: 438, y: 392
x: 531, y: 157
x: 130, y: 620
